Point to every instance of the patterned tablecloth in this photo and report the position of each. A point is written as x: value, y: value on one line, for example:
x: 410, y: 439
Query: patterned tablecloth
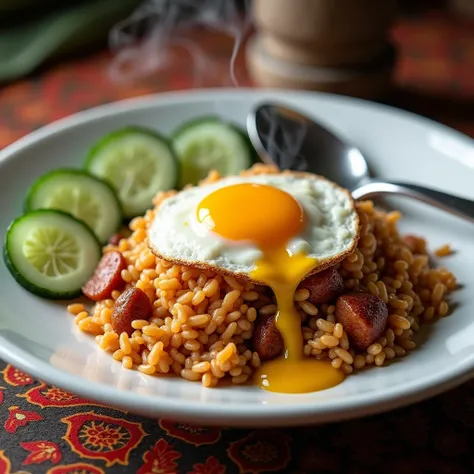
x: 44, y: 429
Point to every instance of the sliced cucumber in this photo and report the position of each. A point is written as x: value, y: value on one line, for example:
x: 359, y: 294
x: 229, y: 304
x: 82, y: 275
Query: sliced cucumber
x: 78, y: 193
x: 138, y: 163
x: 51, y: 253
x: 208, y: 143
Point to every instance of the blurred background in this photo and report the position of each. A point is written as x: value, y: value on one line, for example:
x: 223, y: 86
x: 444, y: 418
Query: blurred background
x: 59, y: 57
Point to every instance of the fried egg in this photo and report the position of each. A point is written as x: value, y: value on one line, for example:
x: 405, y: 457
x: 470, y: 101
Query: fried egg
x: 273, y: 229
x: 228, y: 225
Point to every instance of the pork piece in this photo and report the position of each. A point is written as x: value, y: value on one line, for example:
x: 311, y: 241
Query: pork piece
x: 364, y: 317
x: 130, y: 305
x: 324, y: 287
x: 415, y: 244
x: 107, y: 276
x: 267, y: 340
x: 115, y: 239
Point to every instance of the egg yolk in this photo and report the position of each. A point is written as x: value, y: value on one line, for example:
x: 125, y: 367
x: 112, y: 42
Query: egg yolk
x: 262, y: 214
x: 269, y: 218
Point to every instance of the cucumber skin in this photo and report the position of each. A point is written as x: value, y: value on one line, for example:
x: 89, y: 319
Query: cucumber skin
x: 72, y: 171
x: 254, y: 158
x: 112, y: 136
x: 22, y: 281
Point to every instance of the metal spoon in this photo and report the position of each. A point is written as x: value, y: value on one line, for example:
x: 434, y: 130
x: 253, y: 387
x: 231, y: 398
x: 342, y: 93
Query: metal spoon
x: 291, y: 140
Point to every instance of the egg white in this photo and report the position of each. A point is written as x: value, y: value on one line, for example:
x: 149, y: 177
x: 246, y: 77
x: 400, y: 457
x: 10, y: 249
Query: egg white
x: 331, y: 230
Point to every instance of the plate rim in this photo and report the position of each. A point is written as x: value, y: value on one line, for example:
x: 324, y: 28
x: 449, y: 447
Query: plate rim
x: 148, y: 101
x: 209, y: 413
x: 247, y: 415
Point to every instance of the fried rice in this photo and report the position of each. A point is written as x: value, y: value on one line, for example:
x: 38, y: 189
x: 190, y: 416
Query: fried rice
x: 202, y: 323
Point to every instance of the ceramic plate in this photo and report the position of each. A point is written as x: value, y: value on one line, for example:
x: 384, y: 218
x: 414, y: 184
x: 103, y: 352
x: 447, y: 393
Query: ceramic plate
x: 39, y: 337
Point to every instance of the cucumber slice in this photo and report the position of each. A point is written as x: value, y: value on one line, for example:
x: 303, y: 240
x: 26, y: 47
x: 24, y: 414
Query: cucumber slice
x: 80, y: 194
x: 138, y: 163
x: 208, y: 143
x: 51, y: 253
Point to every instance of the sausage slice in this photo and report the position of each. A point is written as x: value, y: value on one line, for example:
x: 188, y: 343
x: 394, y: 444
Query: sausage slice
x: 115, y: 239
x: 130, y: 305
x: 324, y: 286
x: 106, y: 277
x: 267, y: 340
x: 415, y: 244
x: 364, y: 317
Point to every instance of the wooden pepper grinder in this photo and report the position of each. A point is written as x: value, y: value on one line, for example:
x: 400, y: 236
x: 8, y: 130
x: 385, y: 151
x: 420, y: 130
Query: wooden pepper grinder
x: 338, y: 46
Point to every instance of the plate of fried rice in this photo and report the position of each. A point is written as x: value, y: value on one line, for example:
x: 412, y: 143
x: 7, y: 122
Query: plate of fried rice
x: 193, y: 323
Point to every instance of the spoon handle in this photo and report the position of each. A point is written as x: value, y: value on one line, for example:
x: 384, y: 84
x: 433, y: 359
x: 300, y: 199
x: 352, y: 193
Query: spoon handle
x: 447, y: 202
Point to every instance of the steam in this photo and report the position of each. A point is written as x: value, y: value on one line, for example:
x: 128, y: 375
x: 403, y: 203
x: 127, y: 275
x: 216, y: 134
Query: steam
x: 151, y: 37
x: 283, y: 138
x: 144, y: 42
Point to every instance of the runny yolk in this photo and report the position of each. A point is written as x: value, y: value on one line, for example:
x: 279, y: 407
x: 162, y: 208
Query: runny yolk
x: 261, y: 214
x: 269, y: 218
x: 293, y: 372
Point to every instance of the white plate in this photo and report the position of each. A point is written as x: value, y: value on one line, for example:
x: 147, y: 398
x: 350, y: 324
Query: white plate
x: 39, y: 337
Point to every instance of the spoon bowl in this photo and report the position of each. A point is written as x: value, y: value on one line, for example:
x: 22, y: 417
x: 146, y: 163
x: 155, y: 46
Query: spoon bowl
x: 292, y: 140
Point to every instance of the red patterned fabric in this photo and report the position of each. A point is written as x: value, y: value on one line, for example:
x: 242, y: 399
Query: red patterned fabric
x: 45, y: 429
